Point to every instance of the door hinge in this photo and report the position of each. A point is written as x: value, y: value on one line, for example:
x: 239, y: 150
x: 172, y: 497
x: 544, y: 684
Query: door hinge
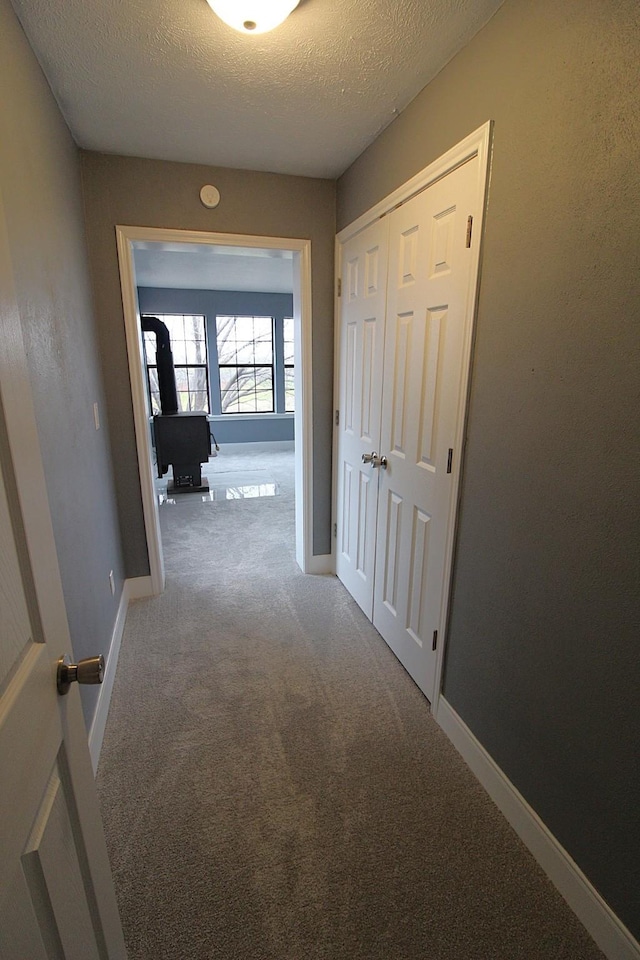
x: 335, y: 529
x: 434, y: 642
x: 449, y: 459
x: 337, y: 418
x: 339, y: 286
x: 469, y: 229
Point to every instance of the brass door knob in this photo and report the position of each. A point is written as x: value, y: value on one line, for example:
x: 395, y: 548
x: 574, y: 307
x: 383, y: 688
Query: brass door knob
x: 89, y: 670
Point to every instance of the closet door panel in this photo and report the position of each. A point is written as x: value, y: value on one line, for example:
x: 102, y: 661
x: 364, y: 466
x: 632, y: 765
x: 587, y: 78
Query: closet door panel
x: 362, y: 319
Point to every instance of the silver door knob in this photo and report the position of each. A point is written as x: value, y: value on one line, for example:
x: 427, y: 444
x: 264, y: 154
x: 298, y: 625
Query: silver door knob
x: 374, y: 460
x: 89, y: 670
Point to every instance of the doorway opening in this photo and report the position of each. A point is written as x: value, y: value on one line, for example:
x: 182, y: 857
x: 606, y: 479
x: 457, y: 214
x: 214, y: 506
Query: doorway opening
x: 242, y: 359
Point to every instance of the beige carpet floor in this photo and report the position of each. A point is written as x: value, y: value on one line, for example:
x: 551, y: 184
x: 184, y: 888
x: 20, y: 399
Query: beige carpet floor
x: 272, y: 783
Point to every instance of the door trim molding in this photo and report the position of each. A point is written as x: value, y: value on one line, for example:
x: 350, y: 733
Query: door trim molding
x: 608, y: 931
x: 320, y: 564
x: 126, y: 236
x: 476, y: 144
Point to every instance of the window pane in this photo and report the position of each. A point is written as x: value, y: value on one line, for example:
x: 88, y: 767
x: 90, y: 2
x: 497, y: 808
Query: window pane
x: 264, y: 399
x: 195, y: 351
x: 187, y: 333
x: 244, y: 329
x: 227, y: 352
x: 234, y: 331
x: 182, y: 387
x: 155, y: 393
x: 197, y: 378
x: 245, y: 355
x: 246, y: 389
x: 200, y: 402
x: 225, y: 338
x: 178, y: 350
x: 191, y: 385
x: 229, y: 389
x: 288, y: 339
x: 263, y: 351
x: 228, y: 378
x: 263, y: 328
x: 198, y: 389
x: 182, y: 379
x: 289, y: 391
x: 175, y: 326
x: 150, y: 347
x: 193, y: 328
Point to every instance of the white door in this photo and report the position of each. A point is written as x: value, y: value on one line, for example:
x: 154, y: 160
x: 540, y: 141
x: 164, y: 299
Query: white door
x: 363, y: 300
x: 56, y: 893
x: 407, y: 404
x: 429, y: 299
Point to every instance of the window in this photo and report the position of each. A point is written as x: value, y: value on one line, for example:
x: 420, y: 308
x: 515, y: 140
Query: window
x: 245, y: 359
x: 289, y: 391
x: 189, y: 349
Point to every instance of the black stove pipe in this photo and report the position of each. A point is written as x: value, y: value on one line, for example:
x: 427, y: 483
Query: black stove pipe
x: 164, y: 361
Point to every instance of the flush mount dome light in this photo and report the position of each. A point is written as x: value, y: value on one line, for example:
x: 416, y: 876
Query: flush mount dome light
x: 253, y: 16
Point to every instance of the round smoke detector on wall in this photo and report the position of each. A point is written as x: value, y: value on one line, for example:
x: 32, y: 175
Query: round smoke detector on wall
x: 210, y: 196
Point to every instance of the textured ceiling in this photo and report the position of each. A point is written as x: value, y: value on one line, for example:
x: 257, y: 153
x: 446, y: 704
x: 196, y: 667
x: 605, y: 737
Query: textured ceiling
x: 169, y: 80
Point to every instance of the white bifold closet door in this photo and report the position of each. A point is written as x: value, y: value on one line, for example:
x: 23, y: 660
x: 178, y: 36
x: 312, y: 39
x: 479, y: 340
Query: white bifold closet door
x: 362, y: 327
x: 402, y: 349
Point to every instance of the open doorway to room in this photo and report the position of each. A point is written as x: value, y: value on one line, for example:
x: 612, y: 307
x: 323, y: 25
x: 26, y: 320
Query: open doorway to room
x: 236, y: 311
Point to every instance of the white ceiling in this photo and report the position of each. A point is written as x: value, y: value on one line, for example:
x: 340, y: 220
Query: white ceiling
x: 168, y: 80
x: 196, y: 266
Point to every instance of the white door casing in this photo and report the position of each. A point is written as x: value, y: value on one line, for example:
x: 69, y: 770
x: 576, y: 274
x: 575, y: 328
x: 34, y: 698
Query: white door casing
x: 56, y: 892
x: 126, y: 237
x: 432, y: 282
x: 363, y: 300
x: 427, y: 302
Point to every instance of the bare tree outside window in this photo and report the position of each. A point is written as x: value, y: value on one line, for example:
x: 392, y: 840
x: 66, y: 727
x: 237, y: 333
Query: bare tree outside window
x: 245, y: 359
x: 289, y: 390
x: 189, y: 348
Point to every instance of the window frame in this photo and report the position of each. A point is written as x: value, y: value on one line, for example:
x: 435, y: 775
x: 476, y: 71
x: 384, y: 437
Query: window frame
x: 255, y: 366
x: 288, y: 366
x: 179, y: 366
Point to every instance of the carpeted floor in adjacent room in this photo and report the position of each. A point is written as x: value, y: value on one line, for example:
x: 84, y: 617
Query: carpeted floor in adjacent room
x: 272, y: 783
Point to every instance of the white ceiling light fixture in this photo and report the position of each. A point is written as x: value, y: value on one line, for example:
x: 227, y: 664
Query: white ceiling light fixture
x: 253, y: 16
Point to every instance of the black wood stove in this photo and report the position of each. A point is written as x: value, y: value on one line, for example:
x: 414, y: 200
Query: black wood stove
x: 182, y: 439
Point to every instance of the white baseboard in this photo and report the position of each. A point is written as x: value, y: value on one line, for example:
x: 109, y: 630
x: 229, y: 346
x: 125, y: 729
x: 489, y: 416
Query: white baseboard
x: 139, y: 588
x: 133, y: 589
x: 610, y: 934
x: 320, y: 564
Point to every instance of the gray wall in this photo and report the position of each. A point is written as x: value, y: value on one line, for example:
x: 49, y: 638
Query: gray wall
x: 211, y: 303
x: 40, y: 183
x: 543, y: 661
x: 155, y: 193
